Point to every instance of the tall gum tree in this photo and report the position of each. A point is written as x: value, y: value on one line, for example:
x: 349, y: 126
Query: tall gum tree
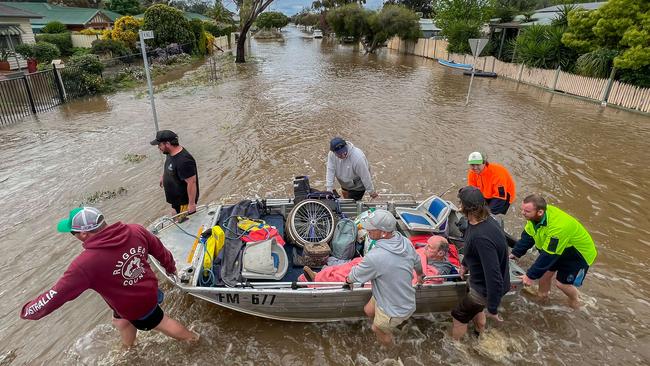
x: 249, y: 10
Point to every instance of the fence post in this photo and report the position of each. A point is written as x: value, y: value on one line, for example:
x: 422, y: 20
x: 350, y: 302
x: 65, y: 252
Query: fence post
x: 521, y: 70
x: 494, y: 60
x: 608, y: 88
x: 59, y: 84
x: 557, y: 76
x: 29, y: 94
x: 435, y: 47
x: 484, y: 63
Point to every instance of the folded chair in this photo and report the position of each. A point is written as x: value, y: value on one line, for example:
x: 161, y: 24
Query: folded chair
x: 429, y: 216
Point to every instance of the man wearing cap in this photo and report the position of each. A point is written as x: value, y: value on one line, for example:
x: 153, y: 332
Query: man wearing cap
x: 180, y: 178
x: 348, y: 164
x: 115, y: 264
x: 494, y: 181
x: 566, y: 250
x: 486, y: 259
x: 389, y: 266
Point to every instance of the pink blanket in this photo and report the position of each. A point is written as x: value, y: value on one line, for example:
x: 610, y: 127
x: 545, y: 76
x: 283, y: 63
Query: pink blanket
x: 340, y: 272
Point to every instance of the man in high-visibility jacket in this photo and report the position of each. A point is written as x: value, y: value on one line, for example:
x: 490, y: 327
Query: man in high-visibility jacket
x: 566, y: 250
x: 494, y: 181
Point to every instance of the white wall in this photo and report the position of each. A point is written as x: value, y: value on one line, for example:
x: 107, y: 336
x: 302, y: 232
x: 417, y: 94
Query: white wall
x: 26, y: 37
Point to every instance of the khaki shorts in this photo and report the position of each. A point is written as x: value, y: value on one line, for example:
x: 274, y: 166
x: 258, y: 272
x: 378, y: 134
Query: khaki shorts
x: 383, y: 321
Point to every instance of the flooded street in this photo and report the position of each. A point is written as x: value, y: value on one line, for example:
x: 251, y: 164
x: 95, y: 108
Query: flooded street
x: 272, y: 119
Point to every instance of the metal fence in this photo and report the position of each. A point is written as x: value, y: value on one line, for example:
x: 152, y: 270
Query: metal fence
x: 30, y: 94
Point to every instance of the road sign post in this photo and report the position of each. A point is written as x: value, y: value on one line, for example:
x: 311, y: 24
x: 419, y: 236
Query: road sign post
x: 476, y: 45
x: 148, y: 35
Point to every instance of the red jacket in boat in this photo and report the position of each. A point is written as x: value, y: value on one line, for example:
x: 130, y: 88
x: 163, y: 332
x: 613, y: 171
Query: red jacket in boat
x: 114, y: 263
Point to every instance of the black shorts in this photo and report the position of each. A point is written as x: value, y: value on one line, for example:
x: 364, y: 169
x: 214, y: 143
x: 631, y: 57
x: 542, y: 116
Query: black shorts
x: 148, y: 322
x: 571, y: 268
x: 355, y: 195
x: 470, y: 305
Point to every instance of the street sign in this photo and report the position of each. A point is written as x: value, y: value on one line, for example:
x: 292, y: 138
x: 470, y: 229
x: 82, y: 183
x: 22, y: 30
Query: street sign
x: 477, y: 45
x: 146, y: 34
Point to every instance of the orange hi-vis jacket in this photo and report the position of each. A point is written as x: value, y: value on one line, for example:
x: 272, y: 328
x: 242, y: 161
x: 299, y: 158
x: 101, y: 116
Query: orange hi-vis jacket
x: 494, y: 182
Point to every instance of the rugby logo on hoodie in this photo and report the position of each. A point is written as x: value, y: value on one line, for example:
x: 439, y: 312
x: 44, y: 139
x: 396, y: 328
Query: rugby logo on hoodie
x: 131, y: 266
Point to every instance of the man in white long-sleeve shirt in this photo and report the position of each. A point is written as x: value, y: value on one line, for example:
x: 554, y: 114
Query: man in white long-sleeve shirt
x: 348, y: 164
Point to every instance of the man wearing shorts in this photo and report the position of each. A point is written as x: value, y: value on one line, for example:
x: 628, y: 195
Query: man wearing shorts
x: 566, y: 250
x: 180, y: 178
x: 389, y: 266
x: 486, y: 259
x: 114, y: 263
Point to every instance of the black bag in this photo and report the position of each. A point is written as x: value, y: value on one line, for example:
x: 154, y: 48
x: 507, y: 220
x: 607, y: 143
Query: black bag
x: 328, y: 198
x: 300, y: 188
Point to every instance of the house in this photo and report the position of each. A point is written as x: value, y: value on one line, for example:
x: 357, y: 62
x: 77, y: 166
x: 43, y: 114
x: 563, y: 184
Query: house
x: 428, y: 28
x: 15, y: 29
x: 503, y: 32
x: 75, y: 19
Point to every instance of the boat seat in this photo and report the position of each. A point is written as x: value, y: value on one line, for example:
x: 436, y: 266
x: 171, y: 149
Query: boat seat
x: 429, y: 216
x: 264, y: 260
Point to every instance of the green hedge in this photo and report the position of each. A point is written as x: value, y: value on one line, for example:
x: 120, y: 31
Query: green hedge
x: 62, y: 40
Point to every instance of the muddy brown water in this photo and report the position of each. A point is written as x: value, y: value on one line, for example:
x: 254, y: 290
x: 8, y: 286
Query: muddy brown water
x: 271, y: 120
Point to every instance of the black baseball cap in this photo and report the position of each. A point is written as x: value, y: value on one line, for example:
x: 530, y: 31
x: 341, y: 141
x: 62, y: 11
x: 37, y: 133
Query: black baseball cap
x: 164, y: 136
x: 338, y: 145
x: 471, y: 197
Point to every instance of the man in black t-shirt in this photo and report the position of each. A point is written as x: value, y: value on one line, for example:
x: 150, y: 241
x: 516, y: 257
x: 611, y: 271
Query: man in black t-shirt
x: 180, y: 178
x: 486, y: 259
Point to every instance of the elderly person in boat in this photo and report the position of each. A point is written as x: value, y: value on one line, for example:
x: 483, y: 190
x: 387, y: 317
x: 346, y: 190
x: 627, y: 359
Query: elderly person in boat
x: 348, y: 164
x: 389, y: 267
x: 437, y: 255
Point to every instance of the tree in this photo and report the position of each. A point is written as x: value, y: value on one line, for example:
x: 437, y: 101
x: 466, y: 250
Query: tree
x: 375, y: 28
x: 126, y: 30
x: 419, y: 6
x: 200, y: 46
x: 249, y: 10
x: 541, y: 46
x: 272, y: 19
x: 125, y: 7
x: 54, y: 27
x: 168, y: 25
x: 619, y: 26
x: 331, y: 4
x: 461, y: 20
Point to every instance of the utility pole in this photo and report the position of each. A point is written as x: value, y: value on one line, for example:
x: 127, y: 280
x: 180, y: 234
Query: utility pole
x: 148, y: 35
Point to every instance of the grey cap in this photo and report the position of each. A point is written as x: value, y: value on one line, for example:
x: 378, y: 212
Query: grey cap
x: 380, y: 220
x: 81, y: 219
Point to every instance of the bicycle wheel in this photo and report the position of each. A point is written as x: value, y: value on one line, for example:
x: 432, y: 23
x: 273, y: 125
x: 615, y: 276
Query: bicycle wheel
x: 310, y: 221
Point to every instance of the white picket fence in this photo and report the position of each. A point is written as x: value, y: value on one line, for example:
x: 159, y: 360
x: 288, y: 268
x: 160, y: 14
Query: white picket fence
x: 82, y: 40
x: 620, y: 94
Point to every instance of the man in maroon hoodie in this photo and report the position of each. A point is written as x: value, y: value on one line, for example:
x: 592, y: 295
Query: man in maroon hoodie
x: 114, y: 263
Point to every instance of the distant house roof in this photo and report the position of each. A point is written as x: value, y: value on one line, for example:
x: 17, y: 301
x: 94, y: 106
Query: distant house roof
x: 544, y: 16
x: 111, y: 14
x: 64, y: 14
x: 187, y: 15
x: 11, y: 12
x: 428, y: 25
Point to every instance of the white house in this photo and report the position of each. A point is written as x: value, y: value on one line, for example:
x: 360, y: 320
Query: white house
x: 15, y: 29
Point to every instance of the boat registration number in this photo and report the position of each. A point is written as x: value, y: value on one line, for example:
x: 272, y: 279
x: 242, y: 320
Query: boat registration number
x: 256, y: 299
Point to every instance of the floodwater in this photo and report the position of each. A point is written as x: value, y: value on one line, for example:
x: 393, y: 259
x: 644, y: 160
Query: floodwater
x: 271, y: 119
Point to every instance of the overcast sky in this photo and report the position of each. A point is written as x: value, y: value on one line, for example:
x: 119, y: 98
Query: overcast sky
x: 290, y: 7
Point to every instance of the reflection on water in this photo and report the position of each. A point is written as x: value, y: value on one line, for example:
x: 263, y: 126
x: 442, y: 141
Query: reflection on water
x: 253, y: 131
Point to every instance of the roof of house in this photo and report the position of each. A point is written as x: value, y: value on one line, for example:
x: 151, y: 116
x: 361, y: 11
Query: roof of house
x: 65, y: 14
x: 545, y: 16
x: 11, y: 12
x: 428, y: 25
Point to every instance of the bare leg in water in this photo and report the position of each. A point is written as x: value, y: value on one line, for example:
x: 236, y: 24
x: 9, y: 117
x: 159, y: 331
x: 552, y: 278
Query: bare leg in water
x: 571, y: 292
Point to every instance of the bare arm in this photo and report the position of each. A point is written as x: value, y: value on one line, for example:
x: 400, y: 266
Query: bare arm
x: 191, y: 193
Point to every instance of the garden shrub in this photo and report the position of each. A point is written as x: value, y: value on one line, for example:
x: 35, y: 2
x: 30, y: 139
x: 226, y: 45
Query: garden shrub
x: 168, y: 25
x: 54, y: 27
x: 45, y: 52
x: 61, y: 40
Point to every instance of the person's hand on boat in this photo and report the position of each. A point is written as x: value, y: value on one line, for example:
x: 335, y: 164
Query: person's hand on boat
x: 526, y: 280
x: 335, y: 193
x: 462, y: 271
x: 374, y: 195
x: 513, y: 257
x: 420, y: 280
x: 496, y: 316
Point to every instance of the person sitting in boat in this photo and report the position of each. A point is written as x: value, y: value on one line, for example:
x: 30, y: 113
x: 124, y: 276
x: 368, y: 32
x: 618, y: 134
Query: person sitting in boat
x: 348, y: 164
x: 494, y: 181
x: 436, y: 253
x: 389, y: 267
x: 115, y: 264
x: 566, y: 250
